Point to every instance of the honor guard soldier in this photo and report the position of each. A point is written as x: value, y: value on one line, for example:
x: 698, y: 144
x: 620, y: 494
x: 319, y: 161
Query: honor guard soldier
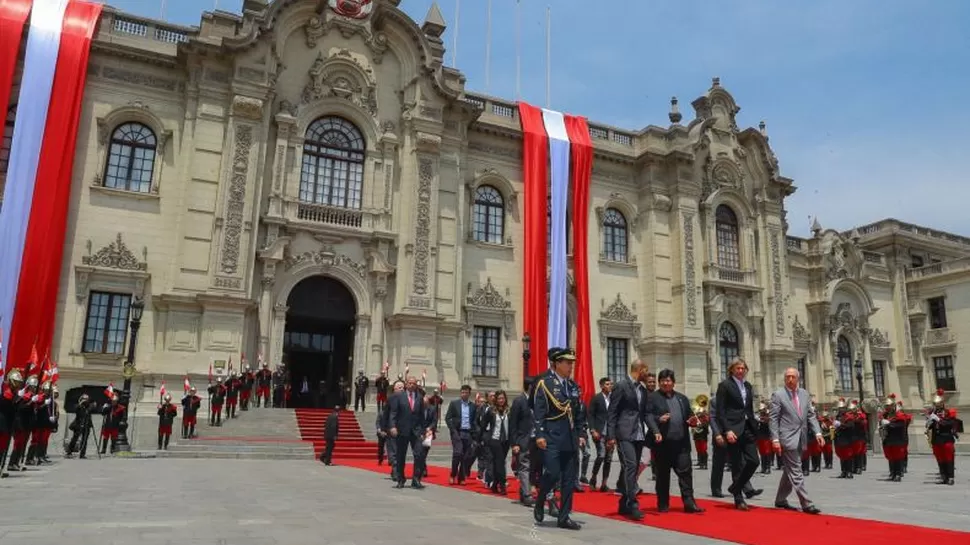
x: 763, y: 439
x: 892, y: 429
x: 233, y: 385
x: 382, y: 384
x: 46, y: 416
x: 190, y: 412
x: 113, y: 413
x: 361, y: 384
x: 943, y: 429
x: 23, y: 422
x: 217, y: 397
x: 10, y: 395
x: 909, y: 421
x: 264, y: 379
x: 167, y: 411
x: 701, y: 431
x: 860, y: 441
x: 247, y: 381
x: 828, y: 431
x: 844, y: 437
x: 560, y: 428
x: 81, y: 427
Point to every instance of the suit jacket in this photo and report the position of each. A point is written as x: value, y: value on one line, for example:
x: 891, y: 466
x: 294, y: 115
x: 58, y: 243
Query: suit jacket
x: 408, y: 421
x: 734, y: 413
x: 332, y: 428
x: 626, y: 412
x: 521, y: 423
x: 453, y: 416
x: 715, y: 430
x: 657, y: 407
x: 599, y: 414
x: 787, y: 426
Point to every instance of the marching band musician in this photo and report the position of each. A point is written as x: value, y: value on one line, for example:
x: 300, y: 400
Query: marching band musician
x: 190, y: 412
x: 825, y: 424
x: 814, y: 450
x: 23, y: 422
x: 217, y: 397
x: 167, y: 411
x: 899, y: 407
x: 46, y: 416
x: 81, y: 427
x: 264, y: 379
x: 764, y: 439
x: 233, y: 385
x: 247, y: 381
x: 382, y: 384
x: 893, y: 429
x: 701, y: 431
x: 113, y: 413
x: 844, y: 437
x: 943, y: 429
x: 9, y: 398
x: 860, y: 446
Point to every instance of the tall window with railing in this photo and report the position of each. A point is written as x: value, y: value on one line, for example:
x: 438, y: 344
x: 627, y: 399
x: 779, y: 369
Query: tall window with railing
x: 843, y: 354
x: 879, y: 377
x: 728, y: 238
x: 131, y: 158
x: 488, y: 215
x: 332, y: 173
x: 728, y: 345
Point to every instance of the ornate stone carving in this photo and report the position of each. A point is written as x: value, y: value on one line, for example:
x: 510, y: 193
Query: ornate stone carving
x: 618, y: 312
x: 487, y: 297
x: 345, y: 75
x: 236, y: 202
x: 137, y: 78
x: 843, y: 318
x: 720, y: 173
x: 247, y: 107
x: 690, y: 287
x: 799, y: 333
x: 228, y: 283
x: 326, y: 258
x: 779, y: 299
x: 493, y: 150
x: 878, y: 339
x: 115, y: 255
x: 422, y: 245
x: 843, y: 259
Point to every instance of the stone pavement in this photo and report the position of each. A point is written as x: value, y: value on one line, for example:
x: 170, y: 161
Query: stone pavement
x: 250, y: 502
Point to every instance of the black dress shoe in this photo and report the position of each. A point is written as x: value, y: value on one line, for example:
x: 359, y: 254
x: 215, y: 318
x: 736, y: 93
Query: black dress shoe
x: 740, y: 504
x: 416, y: 484
x: 569, y: 524
x: 784, y: 505
x: 634, y: 514
x: 690, y: 506
x: 717, y: 494
x: 811, y: 510
x: 539, y: 511
x: 663, y: 508
x: 754, y: 493
x: 400, y: 484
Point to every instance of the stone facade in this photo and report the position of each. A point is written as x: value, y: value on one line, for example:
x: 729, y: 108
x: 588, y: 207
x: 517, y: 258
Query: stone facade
x: 218, y: 232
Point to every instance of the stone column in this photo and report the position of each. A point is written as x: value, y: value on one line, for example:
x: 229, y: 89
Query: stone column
x: 361, y: 336
x: 285, y: 128
x: 276, y: 339
x: 376, y: 360
x: 265, y: 314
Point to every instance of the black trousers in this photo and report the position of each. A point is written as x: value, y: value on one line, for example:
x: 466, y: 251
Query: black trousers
x: 630, y: 453
x: 381, y: 442
x: 461, y: 454
x: 560, y: 468
x: 674, y: 456
x: 499, y: 457
x: 417, y: 450
x: 719, y: 459
x: 359, y: 403
x: 328, y: 451
x: 744, y: 461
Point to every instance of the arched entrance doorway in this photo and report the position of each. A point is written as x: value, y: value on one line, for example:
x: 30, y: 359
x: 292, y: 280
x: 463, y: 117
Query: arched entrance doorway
x: 318, y: 342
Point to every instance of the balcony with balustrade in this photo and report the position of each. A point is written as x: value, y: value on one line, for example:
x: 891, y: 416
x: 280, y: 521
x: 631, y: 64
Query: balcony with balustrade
x: 938, y: 270
x: 326, y: 219
x: 716, y: 275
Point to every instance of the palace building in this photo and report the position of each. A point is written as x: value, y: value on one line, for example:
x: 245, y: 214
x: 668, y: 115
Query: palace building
x: 311, y: 183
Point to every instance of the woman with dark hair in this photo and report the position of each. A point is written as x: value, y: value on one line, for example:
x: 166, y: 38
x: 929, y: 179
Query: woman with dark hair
x: 496, y: 436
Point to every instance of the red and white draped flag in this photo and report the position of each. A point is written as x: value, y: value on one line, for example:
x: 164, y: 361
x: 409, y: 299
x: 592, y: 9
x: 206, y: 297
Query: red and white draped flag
x: 33, y: 220
x: 50, y: 372
x: 2, y: 367
x: 110, y: 390
x: 162, y: 391
x: 442, y: 386
x: 557, y: 153
x: 210, y: 372
x: 186, y: 385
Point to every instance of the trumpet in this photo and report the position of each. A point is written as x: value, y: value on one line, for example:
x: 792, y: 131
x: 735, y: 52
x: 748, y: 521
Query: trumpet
x: 701, y: 408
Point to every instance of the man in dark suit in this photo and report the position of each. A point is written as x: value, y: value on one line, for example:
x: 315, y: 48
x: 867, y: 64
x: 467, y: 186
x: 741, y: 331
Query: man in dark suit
x: 330, y: 432
x: 735, y: 418
x: 460, y: 419
x: 408, y: 427
x: 669, y: 418
x: 624, y: 428
x: 598, y: 415
x: 521, y: 426
x: 720, y: 458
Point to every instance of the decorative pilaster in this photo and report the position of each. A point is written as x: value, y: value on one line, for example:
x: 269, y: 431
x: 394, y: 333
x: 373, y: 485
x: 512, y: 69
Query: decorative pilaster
x: 423, y: 251
x: 690, y: 272
x: 285, y: 128
x: 279, y: 326
x: 777, y: 291
x: 373, y: 365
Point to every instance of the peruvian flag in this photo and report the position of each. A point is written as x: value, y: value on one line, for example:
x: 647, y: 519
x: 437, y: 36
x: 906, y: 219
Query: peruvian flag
x: 186, y: 385
x: 557, y: 164
x: 33, y: 220
x: 51, y: 372
x: 210, y: 372
x: 110, y: 390
x: 162, y: 391
x: 33, y: 364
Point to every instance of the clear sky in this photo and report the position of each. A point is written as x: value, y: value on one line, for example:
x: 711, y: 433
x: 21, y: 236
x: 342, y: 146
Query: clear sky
x: 865, y: 100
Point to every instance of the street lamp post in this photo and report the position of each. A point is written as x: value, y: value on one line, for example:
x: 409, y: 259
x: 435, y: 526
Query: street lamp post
x: 137, y: 308
x: 526, y: 354
x: 858, y: 377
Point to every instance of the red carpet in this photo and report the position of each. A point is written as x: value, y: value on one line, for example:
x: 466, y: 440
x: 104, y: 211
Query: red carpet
x: 760, y: 526
x: 351, y: 443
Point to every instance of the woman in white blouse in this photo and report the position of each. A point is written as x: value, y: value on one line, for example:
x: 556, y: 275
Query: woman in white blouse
x: 496, y: 435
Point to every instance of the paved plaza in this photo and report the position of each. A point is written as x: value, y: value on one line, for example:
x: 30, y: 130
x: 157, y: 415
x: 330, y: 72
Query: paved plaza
x: 242, y: 502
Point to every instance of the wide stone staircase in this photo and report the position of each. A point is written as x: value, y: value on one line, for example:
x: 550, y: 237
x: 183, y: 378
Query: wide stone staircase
x: 350, y: 444
x: 267, y: 434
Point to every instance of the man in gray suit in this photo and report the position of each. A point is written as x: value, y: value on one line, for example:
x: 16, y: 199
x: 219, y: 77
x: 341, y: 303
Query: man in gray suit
x: 791, y: 416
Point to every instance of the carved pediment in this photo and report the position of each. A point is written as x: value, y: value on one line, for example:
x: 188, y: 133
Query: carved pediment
x: 318, y: 25
x: 487, y: 297
x: 843, y: 318
x: 618, y: 312
x: 487, y: 307
x: 619, y: 321
x: 327, y: 257
x: 878, y: 339
x: 842, y: 258
x: 800, y: 333
x: 342, y: 74
x: 115, y: 255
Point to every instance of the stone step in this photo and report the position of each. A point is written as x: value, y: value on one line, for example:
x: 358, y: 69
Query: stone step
x: 236, y: 455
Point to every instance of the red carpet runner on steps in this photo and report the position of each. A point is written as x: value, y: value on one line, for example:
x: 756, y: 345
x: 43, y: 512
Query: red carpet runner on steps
x: 760, y: 526
x: 351, y: 443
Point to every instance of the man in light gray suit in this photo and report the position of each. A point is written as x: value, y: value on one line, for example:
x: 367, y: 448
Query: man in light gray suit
x: 791, y: 416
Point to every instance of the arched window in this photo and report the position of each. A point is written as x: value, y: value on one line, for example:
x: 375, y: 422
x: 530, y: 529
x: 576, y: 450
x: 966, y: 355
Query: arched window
x: 728, y: 345
x: 728, y: 238
x: 7, y: 138
x: 843, y: 353
x: 131, y: 158
x: 488, y: 215
x: 333, y: 164
x: 614, y: 236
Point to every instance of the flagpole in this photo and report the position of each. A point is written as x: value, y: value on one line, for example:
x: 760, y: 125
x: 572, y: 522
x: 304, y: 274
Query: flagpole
x: 454, y: 39
x: 518, y: 49
x: 488, y: 45
x: 162, y: 14
x: 548, y: 55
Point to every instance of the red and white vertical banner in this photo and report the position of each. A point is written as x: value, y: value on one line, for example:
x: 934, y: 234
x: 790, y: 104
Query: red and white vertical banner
x: 557, y: 167
x: 33, y: 221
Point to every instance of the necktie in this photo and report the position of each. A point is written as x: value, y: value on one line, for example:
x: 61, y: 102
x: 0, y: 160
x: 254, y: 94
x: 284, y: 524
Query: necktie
x: 411, y: 401
x: 798, y: 408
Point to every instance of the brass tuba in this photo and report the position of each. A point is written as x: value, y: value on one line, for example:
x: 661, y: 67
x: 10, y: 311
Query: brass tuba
x: 700, y: 406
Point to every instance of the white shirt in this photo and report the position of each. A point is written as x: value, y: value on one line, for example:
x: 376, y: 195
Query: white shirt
x: 744, y: 391
x: 501, y: 422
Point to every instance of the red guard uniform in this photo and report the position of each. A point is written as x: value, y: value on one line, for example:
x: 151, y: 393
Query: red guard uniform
x: 9, y: 399
x: 190, y: 413
x: 382, y: 385
x: 40, y: 430
x: 113, y: 413
x: 893, y: 428
x: 23, y: 422
x: 233, y: 385
x: 764, y: 439
x: 944, y: 428
x: 217, y: 396
x: 166, y: 417
x: 859, y: 443
x: 264, y: 380
x: 845, y: 422
x: 246, y: 389
x: 825, y: 424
